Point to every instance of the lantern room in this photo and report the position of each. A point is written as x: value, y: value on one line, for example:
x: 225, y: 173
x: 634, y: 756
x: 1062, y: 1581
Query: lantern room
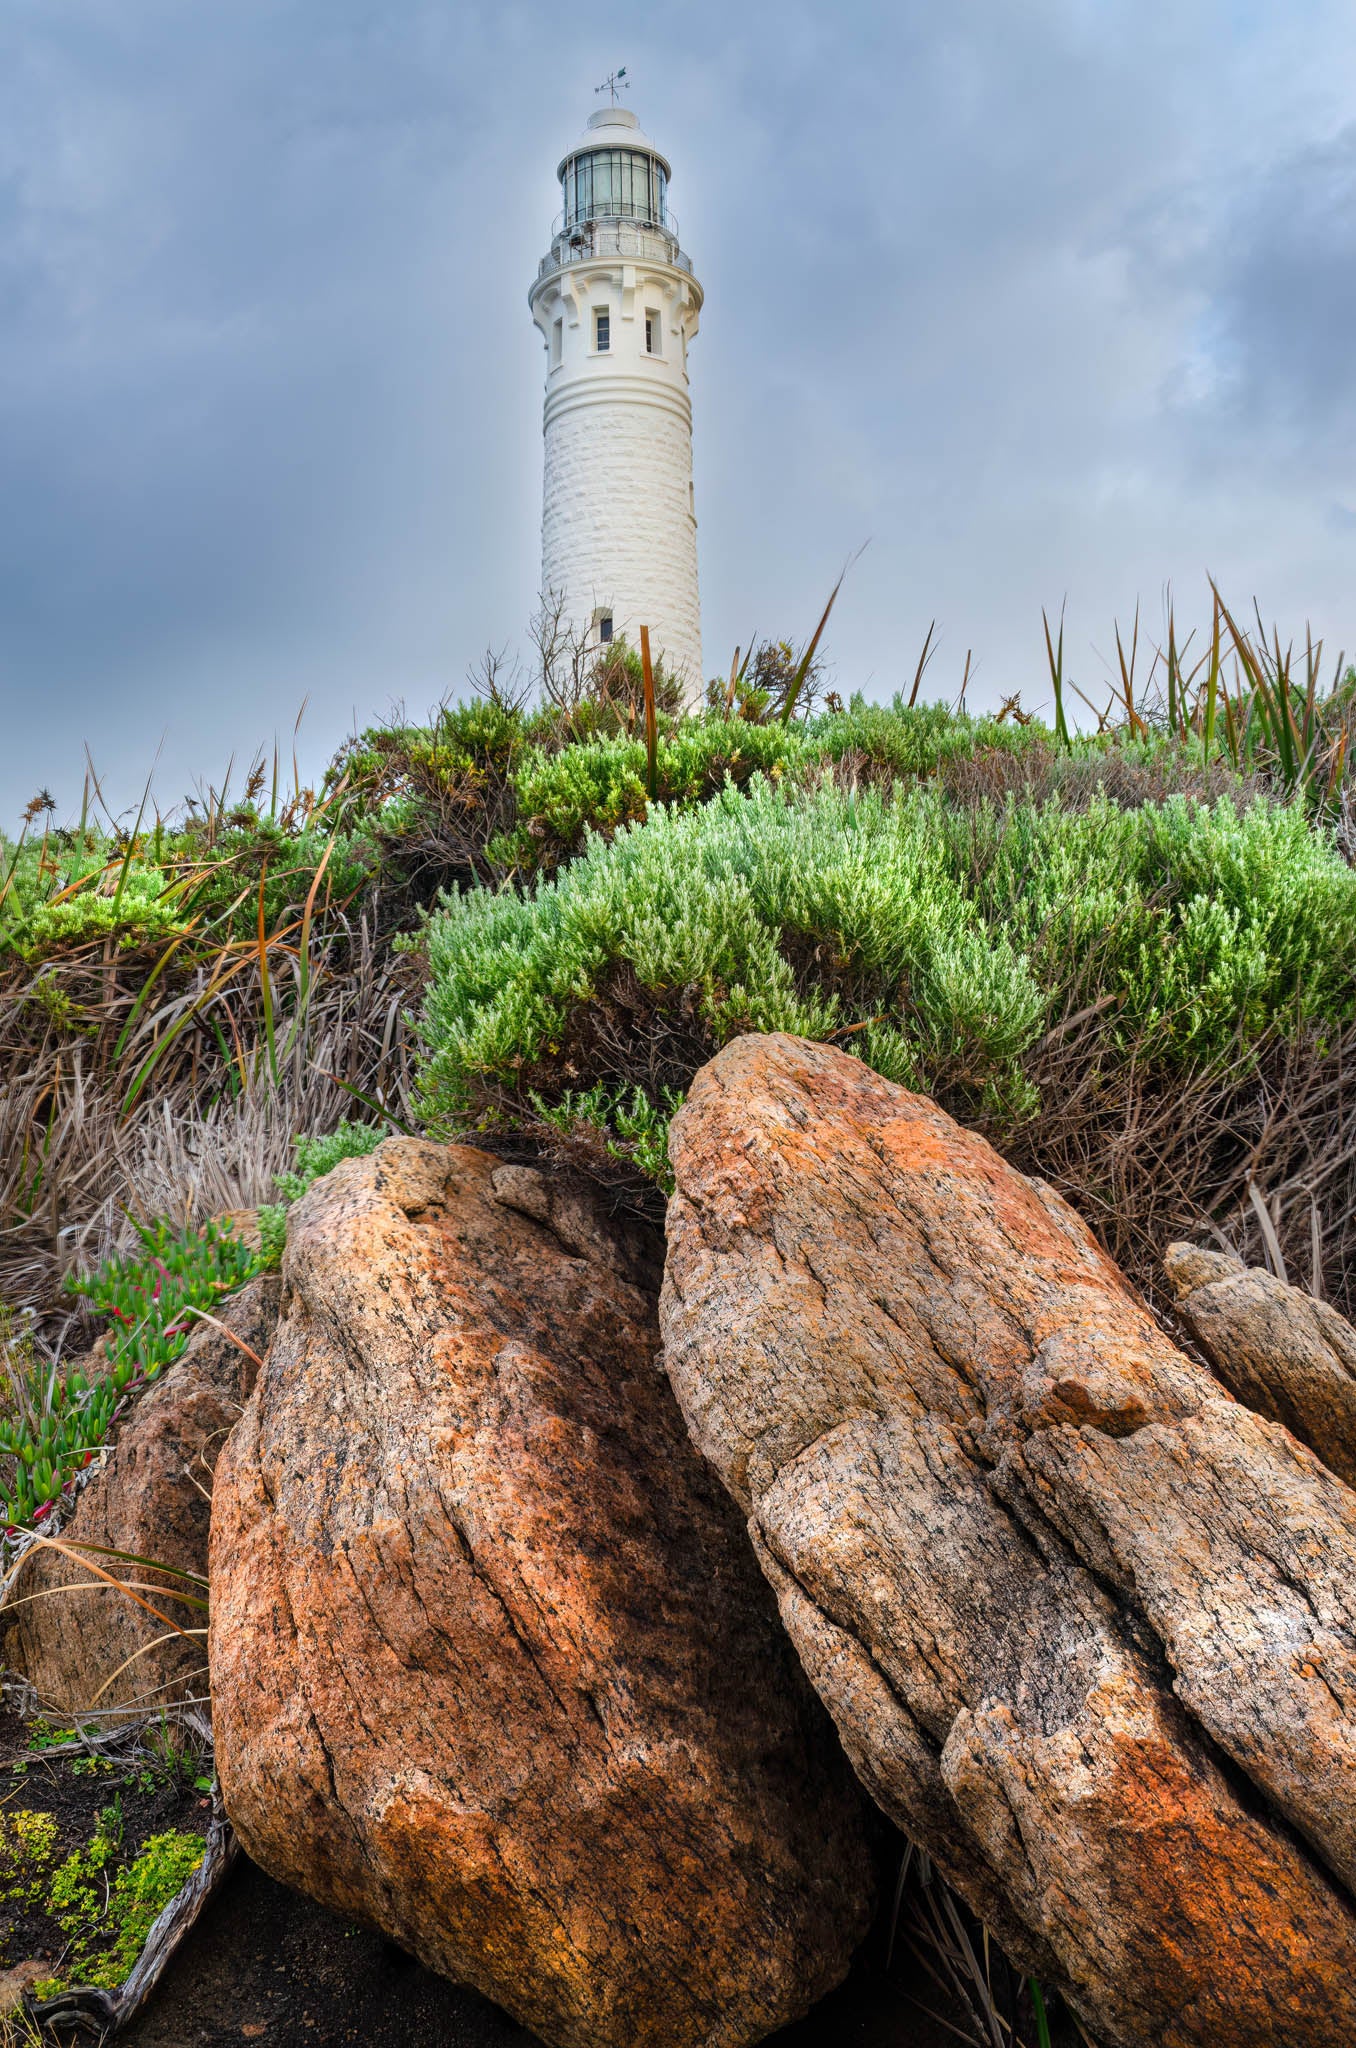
x: 616, y: 173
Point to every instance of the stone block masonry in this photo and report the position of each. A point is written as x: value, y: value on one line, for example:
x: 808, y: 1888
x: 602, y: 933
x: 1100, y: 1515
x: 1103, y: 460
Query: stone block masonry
x: 618, y: 529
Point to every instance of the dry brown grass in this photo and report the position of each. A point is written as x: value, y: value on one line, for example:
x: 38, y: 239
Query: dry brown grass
x: 78, y: 1164
x: 1257, y: 1152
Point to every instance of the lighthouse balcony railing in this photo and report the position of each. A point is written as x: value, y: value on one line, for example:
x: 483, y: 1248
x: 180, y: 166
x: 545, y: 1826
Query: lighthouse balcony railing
x: 646, y: 241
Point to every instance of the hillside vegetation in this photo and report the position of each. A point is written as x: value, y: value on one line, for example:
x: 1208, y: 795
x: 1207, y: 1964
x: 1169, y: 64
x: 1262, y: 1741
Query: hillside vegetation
x: 1126, y: 956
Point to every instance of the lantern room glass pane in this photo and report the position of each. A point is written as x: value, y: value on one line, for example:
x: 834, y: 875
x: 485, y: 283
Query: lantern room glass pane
x: 622, y: 184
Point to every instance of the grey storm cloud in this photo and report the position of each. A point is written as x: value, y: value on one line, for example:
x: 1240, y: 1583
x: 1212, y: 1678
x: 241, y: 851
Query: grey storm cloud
x: 1041, y: 300
x: 1285, y: 303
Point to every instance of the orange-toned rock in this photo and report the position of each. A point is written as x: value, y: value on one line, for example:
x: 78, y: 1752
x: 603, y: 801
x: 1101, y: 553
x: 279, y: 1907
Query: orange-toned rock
x: 1085, y: 1623
x: 150, y: 1498
x: 243, y: 1224
x: 493, y: 1667
x: 1275, y: 1348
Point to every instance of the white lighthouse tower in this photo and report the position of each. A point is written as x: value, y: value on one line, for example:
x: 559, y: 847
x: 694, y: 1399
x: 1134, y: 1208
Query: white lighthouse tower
x: 617, y: 305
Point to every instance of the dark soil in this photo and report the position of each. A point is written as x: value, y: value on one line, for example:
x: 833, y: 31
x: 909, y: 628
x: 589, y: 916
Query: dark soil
x: 266, y: 1965
x: 73, y: 1787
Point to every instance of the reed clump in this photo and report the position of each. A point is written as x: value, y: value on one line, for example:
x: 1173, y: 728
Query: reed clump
x: 181, y: 995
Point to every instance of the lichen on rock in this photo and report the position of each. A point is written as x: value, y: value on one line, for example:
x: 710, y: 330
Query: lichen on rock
x: 1275, y: 1347
x: 493, y: 1666
x: 1086, y: 1624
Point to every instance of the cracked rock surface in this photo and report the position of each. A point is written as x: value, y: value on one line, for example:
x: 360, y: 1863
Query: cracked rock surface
x: 494, y: 1669
x: 1086, y: 1624
x: 1275, y: 1347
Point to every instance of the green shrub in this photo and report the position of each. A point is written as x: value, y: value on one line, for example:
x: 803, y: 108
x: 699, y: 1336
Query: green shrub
x: 316, y: 1155
x: 599, y: 784
x: 149, y: 1300
x: 272, y: 1217
x: 389, y: 770
x: 223, y: 879
x: 1206, y: 924
x: 938, y: 943
x: 71, y: 888
x: 58, y: 899
x: 106, y: 1919
x: 631, y: 1128
x: 52, y: 1422
x: 914, y: 740
x: 804, y: 913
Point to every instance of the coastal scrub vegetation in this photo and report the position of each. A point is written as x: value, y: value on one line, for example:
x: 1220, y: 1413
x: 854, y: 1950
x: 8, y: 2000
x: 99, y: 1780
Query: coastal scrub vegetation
x: 1118, y: 950
x: 54, y: 1419
x: 1065, y: 978
x: 940, y: 943
x: 1126, y: 954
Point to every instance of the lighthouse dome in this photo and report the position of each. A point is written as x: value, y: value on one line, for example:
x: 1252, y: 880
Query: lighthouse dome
x: 614, y: 172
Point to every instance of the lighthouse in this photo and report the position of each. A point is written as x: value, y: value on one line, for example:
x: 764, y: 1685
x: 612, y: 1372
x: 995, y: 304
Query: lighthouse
x: 617, y: 305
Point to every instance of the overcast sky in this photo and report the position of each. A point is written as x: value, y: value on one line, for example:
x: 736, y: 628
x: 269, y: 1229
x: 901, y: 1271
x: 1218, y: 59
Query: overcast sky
x: 1038, y: 299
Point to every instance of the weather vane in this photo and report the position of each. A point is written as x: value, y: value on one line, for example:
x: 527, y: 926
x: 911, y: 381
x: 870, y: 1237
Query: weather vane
x: 615, y: 81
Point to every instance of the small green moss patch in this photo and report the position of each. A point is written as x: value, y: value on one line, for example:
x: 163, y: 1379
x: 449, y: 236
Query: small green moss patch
x: 93, y: 1848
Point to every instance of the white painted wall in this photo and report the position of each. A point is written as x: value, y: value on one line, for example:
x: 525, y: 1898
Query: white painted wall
x: 619, y: 529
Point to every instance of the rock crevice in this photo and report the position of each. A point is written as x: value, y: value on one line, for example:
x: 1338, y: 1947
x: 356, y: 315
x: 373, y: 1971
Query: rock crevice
x: 494, y: 1669
x: 1086, y: 1623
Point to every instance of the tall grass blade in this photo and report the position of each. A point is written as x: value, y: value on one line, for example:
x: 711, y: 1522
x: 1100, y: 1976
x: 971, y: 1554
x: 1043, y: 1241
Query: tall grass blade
x: 135, y: 833
x: 1055, y: 657
x: 1266, y: 1224
x: 296, y: 728
x: 651, y: 725
x: 266, y: 979
x: 190, y: 1011
x: 136, y: 1656
x: 1212, y: 685
x: 738, y: 670
x: 8, y: 881
x: 924, y: 658
x: 388, y: 1115
x: 73, y: 1554
x: 797, y: 683
x: 151, y: 1564
x: 1138, y: 729
x: 305, y: 970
